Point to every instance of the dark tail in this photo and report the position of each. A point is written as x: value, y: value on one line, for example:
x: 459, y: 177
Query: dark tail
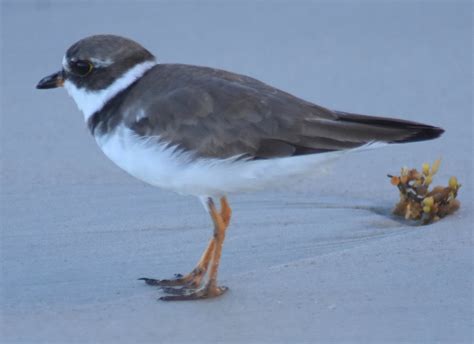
x: 346, y: 131
x: 408, y: 131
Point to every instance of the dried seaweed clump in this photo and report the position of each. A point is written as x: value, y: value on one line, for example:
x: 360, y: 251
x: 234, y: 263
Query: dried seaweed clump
x: 417, y: 202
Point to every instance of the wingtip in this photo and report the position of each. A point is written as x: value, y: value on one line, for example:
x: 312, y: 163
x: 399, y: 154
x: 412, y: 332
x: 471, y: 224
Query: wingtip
x: 439, y: 131
x: 429, y: 133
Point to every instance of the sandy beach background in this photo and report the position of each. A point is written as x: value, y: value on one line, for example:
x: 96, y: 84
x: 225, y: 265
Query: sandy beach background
x: 322, y: 262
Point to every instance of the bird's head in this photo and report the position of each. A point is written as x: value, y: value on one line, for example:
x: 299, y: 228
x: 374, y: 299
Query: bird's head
x: 96, y: 68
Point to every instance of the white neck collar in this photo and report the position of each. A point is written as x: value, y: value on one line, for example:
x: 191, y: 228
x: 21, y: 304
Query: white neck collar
x: 91, y: 101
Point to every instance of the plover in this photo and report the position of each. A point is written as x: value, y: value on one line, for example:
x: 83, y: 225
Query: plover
x: 207, y: 132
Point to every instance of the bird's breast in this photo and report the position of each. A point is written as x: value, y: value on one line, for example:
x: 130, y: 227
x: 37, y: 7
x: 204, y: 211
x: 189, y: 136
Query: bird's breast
x: 146, y: 159
x: 161, y: 164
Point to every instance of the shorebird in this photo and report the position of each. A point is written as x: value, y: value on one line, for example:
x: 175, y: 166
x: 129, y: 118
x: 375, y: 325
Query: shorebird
x: 207, y: 132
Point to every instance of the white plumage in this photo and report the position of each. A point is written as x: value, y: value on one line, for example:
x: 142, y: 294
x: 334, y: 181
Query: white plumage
x: 160, y: 164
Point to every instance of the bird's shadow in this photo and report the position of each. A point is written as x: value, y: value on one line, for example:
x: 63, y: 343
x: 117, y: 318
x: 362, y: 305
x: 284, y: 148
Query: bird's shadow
x: 384, y: 210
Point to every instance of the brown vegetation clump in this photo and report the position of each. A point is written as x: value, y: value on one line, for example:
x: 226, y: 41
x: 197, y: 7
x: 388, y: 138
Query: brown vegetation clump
x: 417, y: 202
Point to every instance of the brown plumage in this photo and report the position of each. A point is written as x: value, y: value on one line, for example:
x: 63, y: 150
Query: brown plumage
x: 216, y: 113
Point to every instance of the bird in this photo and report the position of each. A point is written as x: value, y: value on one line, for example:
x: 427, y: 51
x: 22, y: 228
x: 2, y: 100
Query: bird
x: 208, y: 133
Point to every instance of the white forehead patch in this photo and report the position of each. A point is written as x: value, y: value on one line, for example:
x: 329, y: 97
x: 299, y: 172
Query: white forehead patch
x: 101, y: 63
x: 90, y: 102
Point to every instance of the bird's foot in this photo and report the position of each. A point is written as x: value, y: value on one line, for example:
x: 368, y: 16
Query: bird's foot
x: 186, y: 294
x: 191, y: 280
x: 190, y: 286
x: 178, y: 290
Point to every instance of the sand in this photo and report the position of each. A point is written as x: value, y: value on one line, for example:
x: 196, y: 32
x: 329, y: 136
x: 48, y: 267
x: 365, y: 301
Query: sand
x: 322, y: 262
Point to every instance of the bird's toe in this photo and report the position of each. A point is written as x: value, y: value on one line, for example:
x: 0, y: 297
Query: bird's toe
x: 207, y: 292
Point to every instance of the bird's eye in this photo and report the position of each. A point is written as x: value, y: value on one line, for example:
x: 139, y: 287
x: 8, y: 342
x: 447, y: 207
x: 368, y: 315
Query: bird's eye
x: 81, y: 67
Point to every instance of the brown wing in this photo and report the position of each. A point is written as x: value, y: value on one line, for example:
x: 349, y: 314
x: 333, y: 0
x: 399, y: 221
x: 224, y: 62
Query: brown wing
x: 221, y: 114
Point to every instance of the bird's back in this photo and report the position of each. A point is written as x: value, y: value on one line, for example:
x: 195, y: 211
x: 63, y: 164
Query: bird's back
x: 220, y: 114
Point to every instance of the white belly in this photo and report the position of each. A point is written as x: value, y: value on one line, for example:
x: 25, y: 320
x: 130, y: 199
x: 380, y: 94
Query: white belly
x: 167, y: 167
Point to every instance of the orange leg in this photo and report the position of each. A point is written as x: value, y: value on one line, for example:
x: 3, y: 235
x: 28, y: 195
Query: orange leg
x: 219, y: 235
x: 211, y: 256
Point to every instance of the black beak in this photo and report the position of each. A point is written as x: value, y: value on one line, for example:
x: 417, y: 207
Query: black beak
x: 51, y: 81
